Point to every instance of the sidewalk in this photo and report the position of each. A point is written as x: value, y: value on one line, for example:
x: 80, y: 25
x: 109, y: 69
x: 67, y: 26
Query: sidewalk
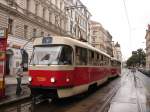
x: 133, y: 95
x: 10, y: 92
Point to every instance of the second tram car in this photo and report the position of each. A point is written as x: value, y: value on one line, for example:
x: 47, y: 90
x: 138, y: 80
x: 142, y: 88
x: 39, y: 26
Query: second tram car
x: 62, y: 67
x: 115, y: 67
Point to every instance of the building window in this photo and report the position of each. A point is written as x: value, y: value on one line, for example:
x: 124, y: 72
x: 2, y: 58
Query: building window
x: 71, y: 26
x: 42, y: 34
x: 56, y: 20
x: 56, y: 3
x: 44, y: 12
x: 36, y: 8
x: 71, y: 12
x: 34, y: 32
x: 94, y: 32
x: 50, y: 17
x: 94, y: 39
x: 25, y: 31
x: 10, y: 26
x: 61, y: 5
x: 28, y: 4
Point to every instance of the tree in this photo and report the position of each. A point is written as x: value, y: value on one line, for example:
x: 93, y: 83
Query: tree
x: 138, y: 58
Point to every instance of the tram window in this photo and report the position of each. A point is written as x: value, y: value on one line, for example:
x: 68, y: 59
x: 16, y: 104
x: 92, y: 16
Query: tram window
x: 107, y: 61
x: 95, y: 59
x: 92, y: 54
x: 66, y: 56
x: 97, y: 56
x: 81, y: 56
x: 77, y: 56
x: 111, y: 63
x: 101, y: 59
x: 84, y: 56
x: 90, y: 57
x: 46, y: 55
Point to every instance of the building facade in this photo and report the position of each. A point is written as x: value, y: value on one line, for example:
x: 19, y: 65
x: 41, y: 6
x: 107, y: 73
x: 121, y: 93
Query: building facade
x: 26, y: 19
x: 108, y: 43
x: 117, y: 51
x: 78, y: 20
x: 101, y: 38
x: 147, y: 37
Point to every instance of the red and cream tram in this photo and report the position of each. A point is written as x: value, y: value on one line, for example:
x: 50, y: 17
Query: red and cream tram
x: 62, y: 67
x: 115, y: 67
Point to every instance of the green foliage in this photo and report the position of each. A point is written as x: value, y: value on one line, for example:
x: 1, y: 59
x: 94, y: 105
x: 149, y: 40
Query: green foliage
x: 138, y: 58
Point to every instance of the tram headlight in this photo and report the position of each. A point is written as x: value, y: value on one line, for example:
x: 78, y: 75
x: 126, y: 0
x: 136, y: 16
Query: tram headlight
x: 67, y: 80
x: 30, y: 79
x: 53, y: 79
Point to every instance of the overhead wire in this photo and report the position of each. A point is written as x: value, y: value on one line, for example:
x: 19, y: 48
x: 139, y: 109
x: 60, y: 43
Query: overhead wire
x: 129, y: 25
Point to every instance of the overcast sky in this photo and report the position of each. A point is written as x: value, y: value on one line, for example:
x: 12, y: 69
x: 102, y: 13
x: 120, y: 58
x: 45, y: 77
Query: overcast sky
x: 111, y: 14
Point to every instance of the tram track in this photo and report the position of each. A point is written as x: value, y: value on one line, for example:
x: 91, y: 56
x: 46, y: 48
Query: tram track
x: 106, y: 105
x: 137, y: 81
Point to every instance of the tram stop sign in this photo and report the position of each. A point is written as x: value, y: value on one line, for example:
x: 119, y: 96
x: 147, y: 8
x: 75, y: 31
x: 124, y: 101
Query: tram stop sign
x: 3, y: 45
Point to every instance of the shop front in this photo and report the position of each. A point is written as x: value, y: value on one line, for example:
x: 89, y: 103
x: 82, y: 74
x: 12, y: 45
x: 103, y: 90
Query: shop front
x: 15, y: 55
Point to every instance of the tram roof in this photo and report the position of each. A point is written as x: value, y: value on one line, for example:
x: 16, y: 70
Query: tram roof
x: 69, y: 41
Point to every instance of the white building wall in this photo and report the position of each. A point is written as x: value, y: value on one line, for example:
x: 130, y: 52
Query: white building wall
x: 17, y: 36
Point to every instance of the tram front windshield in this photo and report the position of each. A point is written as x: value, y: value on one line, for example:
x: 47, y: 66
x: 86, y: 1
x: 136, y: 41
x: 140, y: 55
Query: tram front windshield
x: 52, y: 55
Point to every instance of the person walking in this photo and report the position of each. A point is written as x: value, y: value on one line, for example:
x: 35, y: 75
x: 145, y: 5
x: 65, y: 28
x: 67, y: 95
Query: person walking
x: 19, y: 74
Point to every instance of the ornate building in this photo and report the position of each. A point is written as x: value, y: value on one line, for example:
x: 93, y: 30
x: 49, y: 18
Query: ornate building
x: 26, y: 19
x: 78, y: 20
x: 100, y: 38
x: 117, y: 51
x: 147, y: 37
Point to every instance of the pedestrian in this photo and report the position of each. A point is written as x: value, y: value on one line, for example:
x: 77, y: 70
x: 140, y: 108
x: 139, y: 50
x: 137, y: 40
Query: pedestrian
x: 19, y: 74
